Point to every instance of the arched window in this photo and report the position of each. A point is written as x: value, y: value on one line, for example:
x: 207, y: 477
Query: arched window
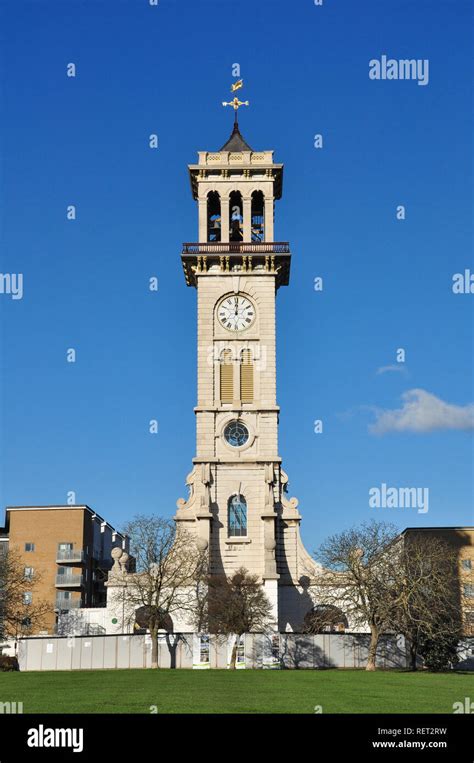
x: 236, y: 218
x: 258, y: 216
x: 146, y: 616
x: 226, y: 377
x: 246, y: 376
x: 213, y: 216
x: 325, y: 618
x: 237, y: 515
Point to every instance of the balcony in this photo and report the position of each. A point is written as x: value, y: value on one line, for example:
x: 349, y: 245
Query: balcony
x: 237, y: 247
x: 237, y: 257
x: 68, y: 604
x: 69, y: 555
x: 69, y: 581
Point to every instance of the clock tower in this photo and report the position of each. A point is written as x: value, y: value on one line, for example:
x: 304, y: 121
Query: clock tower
x: 237, y: 505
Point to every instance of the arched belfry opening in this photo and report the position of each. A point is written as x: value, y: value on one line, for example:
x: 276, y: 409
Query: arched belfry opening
x: 236, y: 217
x: 213, y: 216
x: 258, y: 216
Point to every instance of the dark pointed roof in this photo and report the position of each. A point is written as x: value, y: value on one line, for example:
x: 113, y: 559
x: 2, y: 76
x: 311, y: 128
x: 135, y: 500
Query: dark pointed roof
x: 236, y: 141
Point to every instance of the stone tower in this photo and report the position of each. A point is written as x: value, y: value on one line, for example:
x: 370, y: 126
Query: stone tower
x: 237, y: 504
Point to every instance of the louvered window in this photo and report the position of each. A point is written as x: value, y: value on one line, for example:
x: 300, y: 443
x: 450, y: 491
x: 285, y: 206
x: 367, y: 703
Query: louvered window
x: 227, y: 377
x: 246, y: 376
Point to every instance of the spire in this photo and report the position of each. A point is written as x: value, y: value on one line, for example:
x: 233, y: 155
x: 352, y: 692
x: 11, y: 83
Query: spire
x: 236, y: 142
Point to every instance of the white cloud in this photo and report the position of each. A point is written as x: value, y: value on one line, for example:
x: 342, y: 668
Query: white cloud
x: 423, y: 412
x: 396, y: 367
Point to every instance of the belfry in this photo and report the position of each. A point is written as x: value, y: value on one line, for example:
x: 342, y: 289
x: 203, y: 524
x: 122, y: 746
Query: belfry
x: 238, y: 505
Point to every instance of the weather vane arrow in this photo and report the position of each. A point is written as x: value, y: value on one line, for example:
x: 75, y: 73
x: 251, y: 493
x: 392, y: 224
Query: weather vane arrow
x: 235, y: 103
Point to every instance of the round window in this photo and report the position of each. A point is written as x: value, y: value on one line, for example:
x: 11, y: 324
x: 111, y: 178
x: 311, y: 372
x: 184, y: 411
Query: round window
x: 236, y: 434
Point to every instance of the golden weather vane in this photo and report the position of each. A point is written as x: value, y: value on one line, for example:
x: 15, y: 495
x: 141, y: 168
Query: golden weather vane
x: 235, y: 103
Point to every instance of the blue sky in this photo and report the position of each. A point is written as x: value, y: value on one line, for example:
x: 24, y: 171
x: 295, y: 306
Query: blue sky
x: 83, y: 427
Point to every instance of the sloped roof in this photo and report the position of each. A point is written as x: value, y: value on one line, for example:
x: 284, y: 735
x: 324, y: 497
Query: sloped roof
x: 236, y: 142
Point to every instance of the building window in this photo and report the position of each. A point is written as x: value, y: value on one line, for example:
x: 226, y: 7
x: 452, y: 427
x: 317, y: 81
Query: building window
x: 246, y: 376
x: 27, y: 597
x: 466, y: 564
x: 65, y: 546
x: 63, y: 599
x: 213, y: 216
x: 28, y: 573
x: 258, y: 216
x: 29, y: 546
x: 226, y: 377
x: 65, y: 552
x: 237, y: 516
x: 469, y: 590
x: 236, y: 434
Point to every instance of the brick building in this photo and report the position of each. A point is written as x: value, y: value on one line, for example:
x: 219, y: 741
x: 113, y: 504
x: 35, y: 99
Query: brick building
x: 462, y: 539
x: 68, y: 547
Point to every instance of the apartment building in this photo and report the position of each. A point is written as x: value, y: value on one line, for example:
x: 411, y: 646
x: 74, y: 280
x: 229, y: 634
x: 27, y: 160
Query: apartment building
x: 461, y: 539
x: 68, y: 548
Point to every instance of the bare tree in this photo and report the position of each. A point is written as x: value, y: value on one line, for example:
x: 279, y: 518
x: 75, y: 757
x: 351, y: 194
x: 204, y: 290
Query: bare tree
x: 235, y: 605
x: 392, y: 583
x: 168, y: 563
x: 358, y: 578
x: 20, y: 612
x: 426, y: 605
x: 323, y: 619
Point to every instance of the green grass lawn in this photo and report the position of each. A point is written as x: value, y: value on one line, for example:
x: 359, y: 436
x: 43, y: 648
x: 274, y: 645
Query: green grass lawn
x: 224, y: 691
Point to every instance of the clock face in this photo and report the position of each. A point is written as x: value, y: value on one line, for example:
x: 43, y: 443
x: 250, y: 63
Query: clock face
x: 236, y: 313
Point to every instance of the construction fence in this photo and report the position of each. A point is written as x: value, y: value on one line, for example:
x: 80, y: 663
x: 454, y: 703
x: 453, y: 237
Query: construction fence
x: 202, y: 651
